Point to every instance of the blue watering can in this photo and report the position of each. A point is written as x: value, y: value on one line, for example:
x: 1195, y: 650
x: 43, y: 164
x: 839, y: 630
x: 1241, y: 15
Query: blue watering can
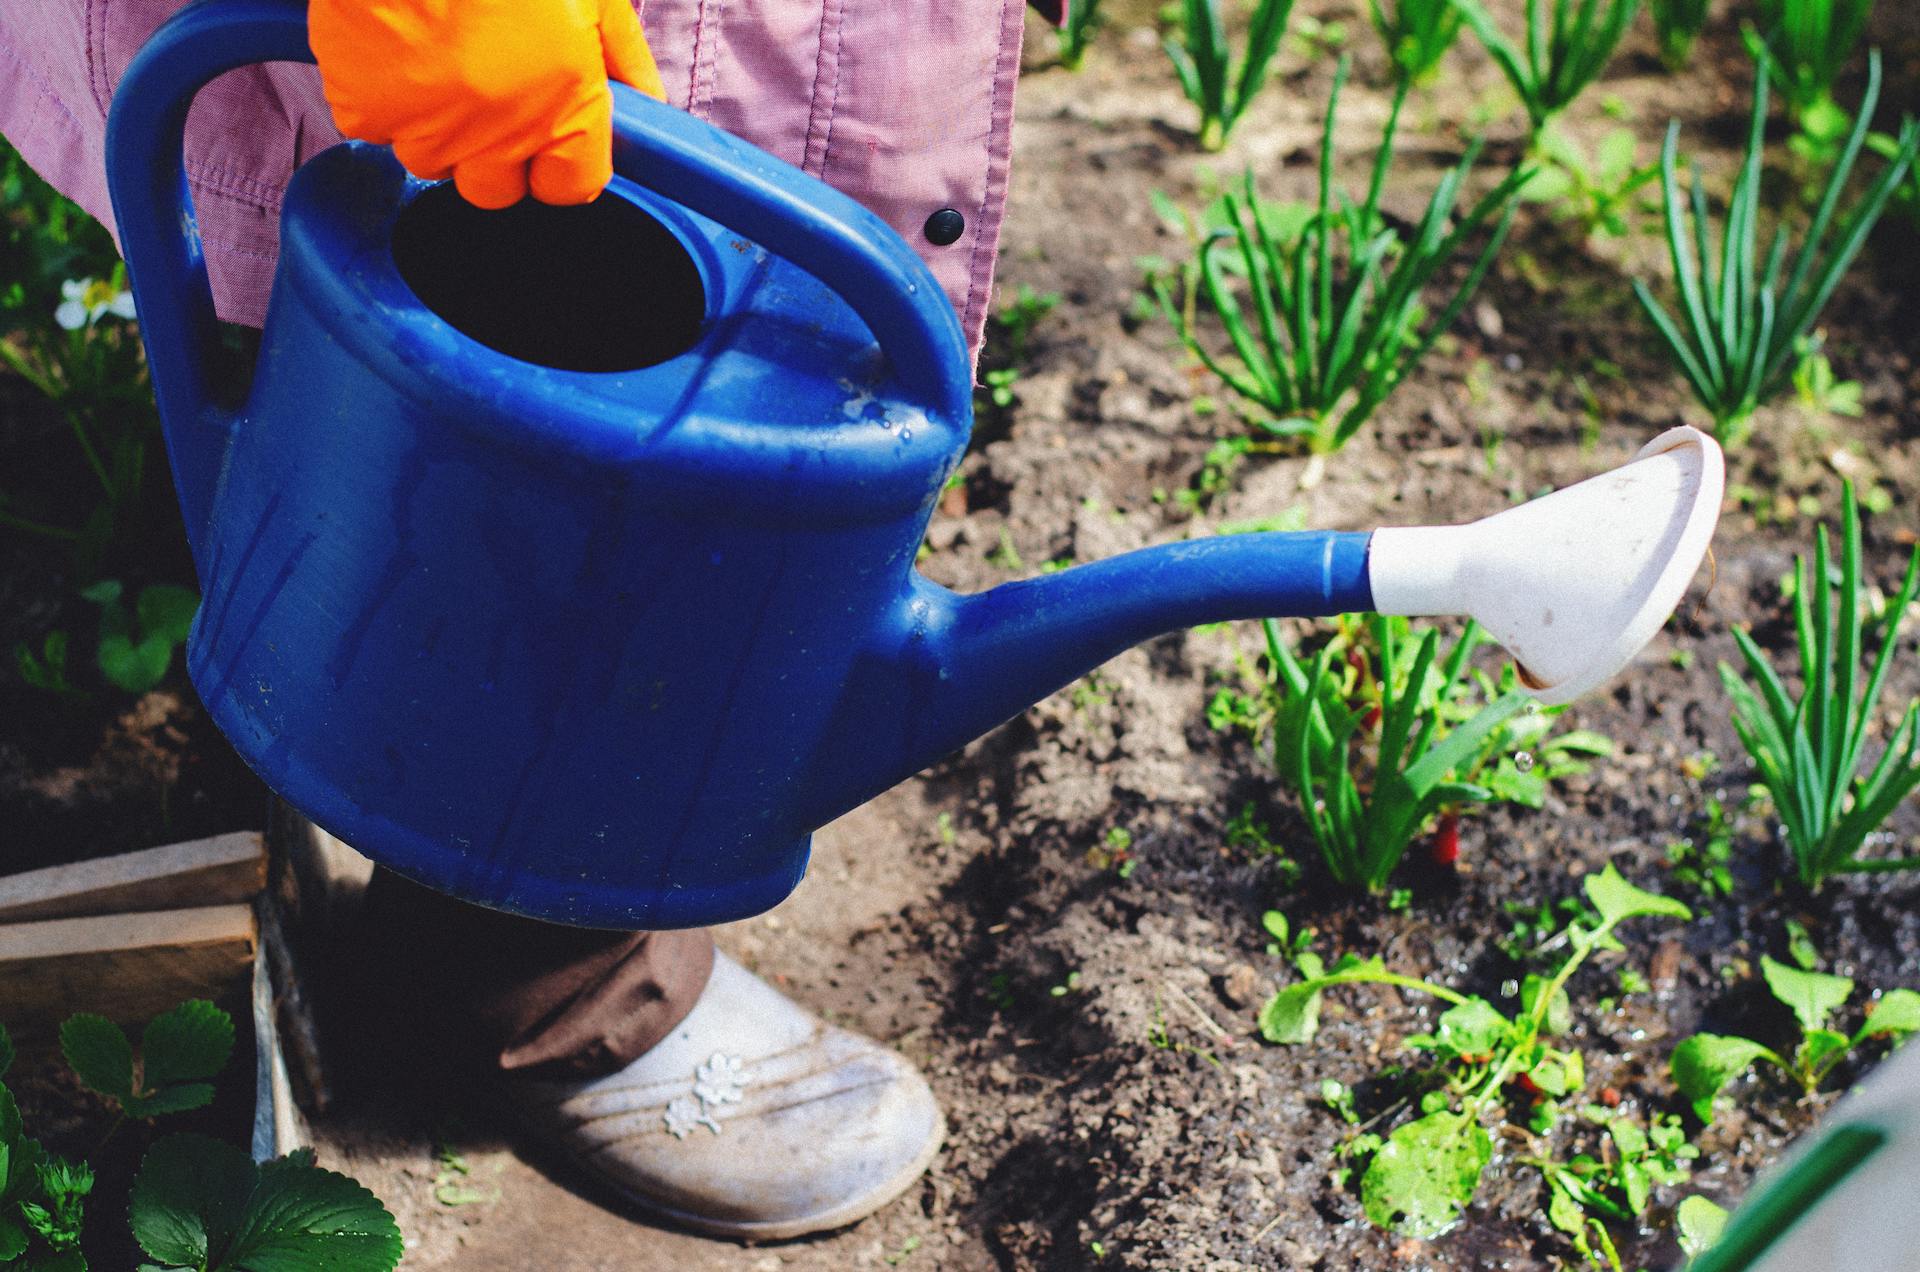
x: 562, y: 559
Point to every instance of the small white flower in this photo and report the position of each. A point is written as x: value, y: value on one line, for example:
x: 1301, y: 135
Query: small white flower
x: 685, y: 1113
x: 85, y: 300
x: 720, y: 1080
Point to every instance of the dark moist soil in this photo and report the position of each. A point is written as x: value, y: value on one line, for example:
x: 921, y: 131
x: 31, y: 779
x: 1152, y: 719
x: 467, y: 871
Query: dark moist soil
x: 1136, y: 1112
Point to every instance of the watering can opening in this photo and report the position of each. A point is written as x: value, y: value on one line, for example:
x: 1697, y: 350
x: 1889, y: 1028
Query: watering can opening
x: 602, y: 286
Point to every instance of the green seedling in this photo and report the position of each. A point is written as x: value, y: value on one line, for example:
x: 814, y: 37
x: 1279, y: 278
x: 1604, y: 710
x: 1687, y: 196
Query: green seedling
x: 46, y: 670
x: 1020, y: 316
x: 1811, y: 753
x: 1484, y: 1061
x: 1380, y: 692
x: 1203, y: 59
x: 136, y: 648
x: 1539, y: 931
x: 1314, y: 39
x: 1521, y: 756
x: 1568, y: 44
x: 1743, y: 325
x: 1417, y: 33
x: 1699, y: 1221
x: 1704, y: 1064
x: 1114, y: 852
x: 180, y: 1053
x: 1678, y: 24
x: 1076, y: 36
x: 1337, y: 306
x: 1819, y: 390
x: 1215, y: 477
x: 1703, y: 864
x: 1607, y: 194
x: 1804, y: 46
x: 1617, y: 1184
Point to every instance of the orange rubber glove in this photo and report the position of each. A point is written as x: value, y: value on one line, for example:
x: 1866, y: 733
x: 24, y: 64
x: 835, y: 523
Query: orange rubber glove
x: 504, y: 96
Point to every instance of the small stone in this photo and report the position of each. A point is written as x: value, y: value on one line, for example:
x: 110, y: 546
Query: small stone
x: 1487, y: 319
x: 1240, y: 986
x: 1664, y: 968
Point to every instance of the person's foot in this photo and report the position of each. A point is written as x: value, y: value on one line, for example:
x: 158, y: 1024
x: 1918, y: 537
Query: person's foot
x: 751, y: 1120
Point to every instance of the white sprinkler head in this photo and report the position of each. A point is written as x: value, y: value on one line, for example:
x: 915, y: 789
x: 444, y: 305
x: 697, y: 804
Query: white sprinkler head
x: 1575, y: 582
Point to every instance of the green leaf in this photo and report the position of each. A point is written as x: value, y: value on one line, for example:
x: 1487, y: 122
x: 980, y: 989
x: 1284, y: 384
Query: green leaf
x: 1706, y: 1062
x: 1896, y: 1014
x: 13, y: 1240
x: 6, y: 1051
x: 1813, y: 996
x: 1558, y: 1018
x: 105, y: 592
x: 1627, y: 1136
x: 1616, y: 899
x: 134, y: 667
x: 301, y: 1218
x: 1817, y: 1048
x: 99, y: 1054
x: 1565, y: 1213
x: 188, y: 1197
x: 1558, y: 1073
x: 191, y: 1043
x: 1473, y: 1029
x: 9, y: 1125
x: 1426, y: 1173
x: 166, y: 612
x: 1293, y: 1014
x: 1276, y: 925
x: 1701, y: 1223
x: 201, y: 1203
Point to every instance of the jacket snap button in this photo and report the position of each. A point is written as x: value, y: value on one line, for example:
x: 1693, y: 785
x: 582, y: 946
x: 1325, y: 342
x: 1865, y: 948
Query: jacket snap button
x: 945, y: 226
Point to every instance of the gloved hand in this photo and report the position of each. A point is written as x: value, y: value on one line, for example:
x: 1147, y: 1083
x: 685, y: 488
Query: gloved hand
x: 506, y: 96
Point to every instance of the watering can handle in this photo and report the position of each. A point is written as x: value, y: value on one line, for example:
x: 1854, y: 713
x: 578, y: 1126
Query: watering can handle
x: 821, y: 230
x: 714, y: 173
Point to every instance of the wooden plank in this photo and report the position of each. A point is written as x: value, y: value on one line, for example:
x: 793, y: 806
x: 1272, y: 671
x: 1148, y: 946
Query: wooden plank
x: 202, y: 872
x: 127, y: 967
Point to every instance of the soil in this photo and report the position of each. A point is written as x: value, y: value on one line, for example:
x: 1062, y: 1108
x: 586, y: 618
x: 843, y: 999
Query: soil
x: 1135, y: 1112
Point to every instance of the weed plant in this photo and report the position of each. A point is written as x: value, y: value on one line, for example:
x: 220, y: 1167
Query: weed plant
x: 1807, y: 45
x: 1605, y: 195
x: 1390, y: 697
x: 1520, y: 1064
x: 1083, y: 23
x: 1418, y: 34
x: 1203, y: 58
x: 1678, y: 24
x: 1740, y: 328
x: 1568, y: 44
x: 1810, y: 753
x: 1337, y: 305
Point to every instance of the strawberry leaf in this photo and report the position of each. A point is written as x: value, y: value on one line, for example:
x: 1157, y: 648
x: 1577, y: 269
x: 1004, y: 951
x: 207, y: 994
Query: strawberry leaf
x: 204, y: 1204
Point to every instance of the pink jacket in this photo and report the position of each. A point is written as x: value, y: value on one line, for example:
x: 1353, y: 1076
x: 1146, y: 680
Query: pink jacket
x: 907, y: 105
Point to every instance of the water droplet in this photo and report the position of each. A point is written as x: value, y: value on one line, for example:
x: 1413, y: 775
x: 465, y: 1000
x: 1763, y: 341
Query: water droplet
x: 1508, y: 988
x: 1523, y: 760
x: 906, y: 434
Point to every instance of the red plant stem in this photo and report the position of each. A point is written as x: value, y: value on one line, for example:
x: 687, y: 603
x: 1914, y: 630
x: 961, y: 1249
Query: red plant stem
x: 1446, y: 840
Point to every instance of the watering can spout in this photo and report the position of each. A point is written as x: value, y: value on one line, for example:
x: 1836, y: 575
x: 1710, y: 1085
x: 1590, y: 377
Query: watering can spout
x: 1573, y: 584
